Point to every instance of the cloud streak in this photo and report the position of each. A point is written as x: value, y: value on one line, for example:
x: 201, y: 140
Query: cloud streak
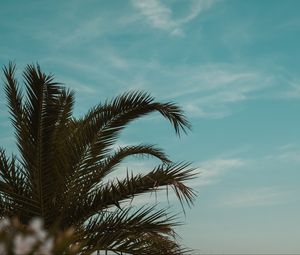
x: 211, y: 91
x: 211, y: 171
x: 288, y: 153
x: 261, y: 196
x: 205, y: 91
x: 160, y: 16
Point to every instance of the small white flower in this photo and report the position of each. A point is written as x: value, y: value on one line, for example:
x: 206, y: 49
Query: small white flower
x: 36, y: 225
x: 2, y: 249
x: 46, y: 247
x: 4, y: 223
x: 23, y: 245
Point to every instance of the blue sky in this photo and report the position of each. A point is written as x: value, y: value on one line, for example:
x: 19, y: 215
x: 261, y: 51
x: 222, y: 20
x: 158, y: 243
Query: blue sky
x: 234, y: 68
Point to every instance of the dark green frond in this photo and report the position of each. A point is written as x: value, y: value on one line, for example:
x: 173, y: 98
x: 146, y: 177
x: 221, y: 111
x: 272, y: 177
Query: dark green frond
x: 15, y: 188
x: 100, y: 128
x: 133, y: 232
x: 60, y: 159
x: 43, y: 109
x: 92, y: 175
x: 107, y: 195
x: 12, y: 173
x: 139, y: 150
x: 14, y: 97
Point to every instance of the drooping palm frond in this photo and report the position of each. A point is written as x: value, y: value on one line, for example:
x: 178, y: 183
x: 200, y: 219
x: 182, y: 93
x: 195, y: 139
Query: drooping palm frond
x: 89, y: 179
x: 112, y: 117
x: 14, y: 99
x: 60, y: 171
x: 114, y: 192
x: 15, y: 190
x: 125, y: 231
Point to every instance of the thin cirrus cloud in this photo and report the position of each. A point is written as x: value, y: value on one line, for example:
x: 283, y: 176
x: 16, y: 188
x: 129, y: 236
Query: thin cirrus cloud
x: 211, y: 171
x: 205, y: 91
x: 85, y: 31
x: 293, y: 91
x: 210, y: 91
x: 208, y: 172
x: 260, y: 196
x: 159, y: 15
x: 288, y: 153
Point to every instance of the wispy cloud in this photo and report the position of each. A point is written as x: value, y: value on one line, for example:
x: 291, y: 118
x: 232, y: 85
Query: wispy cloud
x: 205, y: 91
x: 84, y: 32
x: 78, y: 87
x: 211, y: 91
x: 87, y: 74
x: 288, y: 153
x: 160, y: 16
x: 81, y: 31
x: 211, y: 171
x: 261, y: 196
x: 292, y: 91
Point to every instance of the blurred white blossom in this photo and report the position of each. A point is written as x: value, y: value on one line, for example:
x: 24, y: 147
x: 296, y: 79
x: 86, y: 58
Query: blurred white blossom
x: 46, y: 247
x: 4, y: 223
x: 36, y: 225
x: 19, y: 239
x: 24, y: 244
x: 2, y: 249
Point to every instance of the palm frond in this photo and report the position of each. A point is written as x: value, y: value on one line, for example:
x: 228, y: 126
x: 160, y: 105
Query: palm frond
x: 92, y: 175
x: 42, y: 110
x: 60, y: 154
x: 14, y: 97
x: 15, y: 189
x: 134, y: 232
x: 112, y: 193
x: 100, y: 128
x: 15, y: 103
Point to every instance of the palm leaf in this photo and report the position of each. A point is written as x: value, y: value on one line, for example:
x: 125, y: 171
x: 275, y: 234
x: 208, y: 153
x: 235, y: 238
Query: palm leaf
x: 133, y: 232
x: 102, y: 125
x: 92, y: 175
x: 113, y: 193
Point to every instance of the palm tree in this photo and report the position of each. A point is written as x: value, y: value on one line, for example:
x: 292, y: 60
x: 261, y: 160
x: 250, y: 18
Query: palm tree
x: 59, y: 172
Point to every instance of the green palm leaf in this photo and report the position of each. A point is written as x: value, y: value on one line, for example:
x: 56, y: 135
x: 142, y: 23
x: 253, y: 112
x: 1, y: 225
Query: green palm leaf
x: 127, y: 231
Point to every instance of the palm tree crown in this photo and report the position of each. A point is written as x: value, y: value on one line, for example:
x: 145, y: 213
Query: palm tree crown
x: 59, y: 171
